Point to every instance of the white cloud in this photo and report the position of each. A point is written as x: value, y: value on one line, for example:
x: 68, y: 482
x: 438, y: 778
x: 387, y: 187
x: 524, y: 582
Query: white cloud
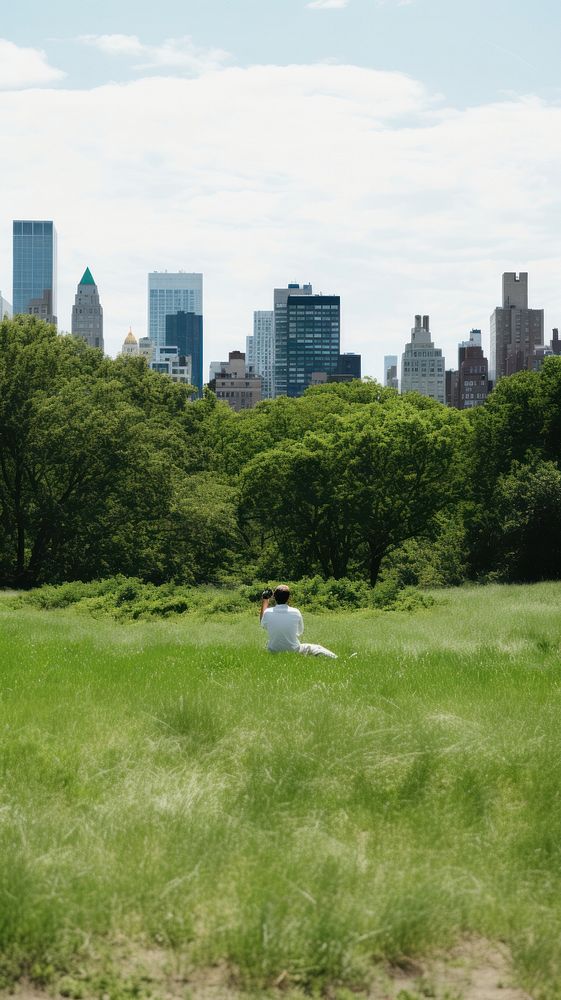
x: 328, y: 4
x: 22, y: 67
x: 343, y: 176
x: 115, y: 45
x: 172, y: 54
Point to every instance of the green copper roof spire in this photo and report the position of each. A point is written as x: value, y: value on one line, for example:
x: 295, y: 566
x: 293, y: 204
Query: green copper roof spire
x: 87, y: 279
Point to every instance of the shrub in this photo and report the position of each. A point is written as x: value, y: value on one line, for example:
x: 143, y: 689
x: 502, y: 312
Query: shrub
x: 385, y: 593
x: 131, y: 599
x: 129, y: 591
x: 410, y: 599
x: 51, y: 596
x: 430, y: 562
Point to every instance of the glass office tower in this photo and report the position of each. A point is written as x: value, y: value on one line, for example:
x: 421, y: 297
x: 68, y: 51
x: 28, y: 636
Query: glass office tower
x: 260, y: 350
x: 35, y: 269
x: 280, y: 334
x: 184, y: 330
x: 169, y: 293
x: 314, y: 329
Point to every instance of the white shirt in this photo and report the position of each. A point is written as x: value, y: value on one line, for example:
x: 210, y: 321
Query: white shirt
x: 284, y: 626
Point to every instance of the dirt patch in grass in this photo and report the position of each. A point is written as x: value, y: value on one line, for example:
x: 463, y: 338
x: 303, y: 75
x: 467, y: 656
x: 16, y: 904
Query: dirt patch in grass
x: 474, y: 970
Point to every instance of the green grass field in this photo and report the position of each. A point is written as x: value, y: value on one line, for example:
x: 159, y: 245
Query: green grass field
x: 171, y: 788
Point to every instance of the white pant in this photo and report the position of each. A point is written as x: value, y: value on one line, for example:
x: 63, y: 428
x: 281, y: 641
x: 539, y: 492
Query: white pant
x: 312, y: 649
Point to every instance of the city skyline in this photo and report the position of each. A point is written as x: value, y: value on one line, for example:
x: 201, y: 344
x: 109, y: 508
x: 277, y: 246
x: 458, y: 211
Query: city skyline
x: 173, y: 295
x: 400, y: 155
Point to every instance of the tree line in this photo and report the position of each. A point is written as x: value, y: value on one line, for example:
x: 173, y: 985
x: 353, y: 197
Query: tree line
x: 107, y: 467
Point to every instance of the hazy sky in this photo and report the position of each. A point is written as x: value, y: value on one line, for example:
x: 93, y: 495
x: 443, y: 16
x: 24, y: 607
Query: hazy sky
x: 400, y: 154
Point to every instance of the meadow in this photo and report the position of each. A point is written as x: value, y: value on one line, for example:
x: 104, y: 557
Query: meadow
x: 173, y: 794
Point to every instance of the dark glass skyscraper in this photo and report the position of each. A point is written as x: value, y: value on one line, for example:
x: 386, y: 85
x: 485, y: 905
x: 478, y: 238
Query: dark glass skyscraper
x: 184, y: 330
x: 34, y: 269
x: 280, y: 334
x: 313, y: 339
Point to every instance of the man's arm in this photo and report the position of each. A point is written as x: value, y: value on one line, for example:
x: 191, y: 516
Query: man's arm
x: 265, y: 598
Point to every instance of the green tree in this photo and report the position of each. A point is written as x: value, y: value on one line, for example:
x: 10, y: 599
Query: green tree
x: 93, y: 455
x: 204, y: 533
x: 85, y: 490
x: 550, y: 379
x: 294, y: 492
x: 397, y: 469
x: 239, y: 437
x: 33, y: 360
x: 520, y: 423
x: 378, y: 478
x: 528, y: 502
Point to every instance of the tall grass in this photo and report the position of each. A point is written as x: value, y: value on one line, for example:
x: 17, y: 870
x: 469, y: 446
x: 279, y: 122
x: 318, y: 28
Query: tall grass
x: 172, y: 784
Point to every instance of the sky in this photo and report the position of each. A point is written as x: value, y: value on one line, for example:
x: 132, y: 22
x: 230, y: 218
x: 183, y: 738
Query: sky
x: 399, y: 153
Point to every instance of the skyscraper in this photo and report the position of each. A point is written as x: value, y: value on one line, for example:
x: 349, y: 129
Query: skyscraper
x: 452, y: 388
x: 555, y: 343
x: 390, y: 371
x: 280, y: 333
x: 184, y: 330
x: 469, y: 385
x: 422, y: 364
x: 87, y: 312
x: 516, y: 330
x: 169, y: 293
x: 260, y: 350
x: 34, y: 269
x: 473, y: 372
x: 313, y: 339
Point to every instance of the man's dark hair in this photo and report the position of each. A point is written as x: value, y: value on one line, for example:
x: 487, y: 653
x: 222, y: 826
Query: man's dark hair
x: 281, y: 594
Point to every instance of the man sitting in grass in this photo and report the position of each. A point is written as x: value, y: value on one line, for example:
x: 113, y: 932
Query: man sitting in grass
x: 285, y: 626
